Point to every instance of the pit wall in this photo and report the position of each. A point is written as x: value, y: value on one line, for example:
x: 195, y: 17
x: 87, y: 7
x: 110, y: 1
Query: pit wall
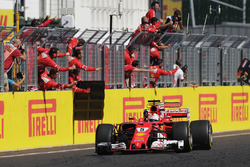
x: 28, y: 121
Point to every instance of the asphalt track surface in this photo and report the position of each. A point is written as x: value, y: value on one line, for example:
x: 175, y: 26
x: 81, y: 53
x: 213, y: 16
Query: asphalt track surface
x: 229, y: 149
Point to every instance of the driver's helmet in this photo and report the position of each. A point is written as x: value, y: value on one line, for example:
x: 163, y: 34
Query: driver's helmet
x: 154, y: 117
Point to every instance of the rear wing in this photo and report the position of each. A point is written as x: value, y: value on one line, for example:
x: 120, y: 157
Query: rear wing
x: 178, y: 113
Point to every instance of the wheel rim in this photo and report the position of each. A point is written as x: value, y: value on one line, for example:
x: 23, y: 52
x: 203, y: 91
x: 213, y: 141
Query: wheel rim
x: 191, y: 141
x: 210, y: 131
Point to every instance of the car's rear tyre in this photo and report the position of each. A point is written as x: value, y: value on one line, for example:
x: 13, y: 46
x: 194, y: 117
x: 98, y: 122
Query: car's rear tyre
x: 181, y: 131
x: 202, y: 133
x: 104, y: 133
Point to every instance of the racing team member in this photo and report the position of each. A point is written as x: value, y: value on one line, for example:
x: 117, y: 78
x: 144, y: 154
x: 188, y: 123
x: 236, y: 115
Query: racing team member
x: 155, y: 23
x: 143, y: 27
x: 158, y: 71
x: 74, y: 76
x: 36, y: 23
x: 129, y: 69
x: 75, y: 61
x: 48, y: 83
x: 129, y: 55
x: 12, y: 51
x: 45, y: 60
x: 152, y: 12
x: 46, y: 22
x: 75, y: 43
x: 154, y: 49
x: 41, y: 50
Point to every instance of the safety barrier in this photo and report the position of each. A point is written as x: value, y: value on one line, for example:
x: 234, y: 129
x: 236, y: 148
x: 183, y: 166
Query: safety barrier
x: 39, y: 119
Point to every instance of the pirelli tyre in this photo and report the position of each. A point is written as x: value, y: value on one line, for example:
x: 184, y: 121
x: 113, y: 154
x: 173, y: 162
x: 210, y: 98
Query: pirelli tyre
x: 202, y: 133
x: 104, y: 134
x: 181, y: 131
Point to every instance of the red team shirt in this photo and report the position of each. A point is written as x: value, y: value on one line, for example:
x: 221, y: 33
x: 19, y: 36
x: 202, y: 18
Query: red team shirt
x: 46, y: 23
x: 150, y: 14
x: 140, y: 28
x: 128, y: 70
x: 71, y: 44
x: 44, y: 60
x: 78, y: 64
x: 155, y: 25
x: 154, y: 52
x: 41, y: 50
x: 10, y: 53
x: 27, y: 31
x: 73, y: 78
x: 128, y: 59
x: 154, y: 76
x: 48, y: 83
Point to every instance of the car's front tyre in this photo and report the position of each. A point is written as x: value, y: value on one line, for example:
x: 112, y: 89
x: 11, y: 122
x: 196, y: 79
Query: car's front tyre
x: 104, y: 134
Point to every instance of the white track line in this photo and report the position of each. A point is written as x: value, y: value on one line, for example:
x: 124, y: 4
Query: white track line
x: 231, y: 135
x: 49, y: 152
x: 92, y: 148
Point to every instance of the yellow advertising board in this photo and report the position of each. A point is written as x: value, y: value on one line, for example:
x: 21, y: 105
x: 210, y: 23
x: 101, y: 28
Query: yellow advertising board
x: 6, y: 19
x: 169, y: 6
x: 35, y: 119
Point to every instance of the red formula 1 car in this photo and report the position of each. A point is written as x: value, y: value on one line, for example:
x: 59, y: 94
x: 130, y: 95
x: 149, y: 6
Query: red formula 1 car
x: 155, y: 131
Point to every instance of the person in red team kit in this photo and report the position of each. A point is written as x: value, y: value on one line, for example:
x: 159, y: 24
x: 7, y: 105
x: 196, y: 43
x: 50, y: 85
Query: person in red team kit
x: 45, y: 60
x: 74, y: 43
x: 144, y: 26
x: 152, y: 12
x: 129, y: 55
x: 12, y: 51
x: 41, y: 50
x: 129, y: 69
x: 158, y: 71
x: 75, y: 61
x: 155, y: 46
x: 74, y: 76
x: 48, y: 83
x: 155, y: 23
x: 46, y: 22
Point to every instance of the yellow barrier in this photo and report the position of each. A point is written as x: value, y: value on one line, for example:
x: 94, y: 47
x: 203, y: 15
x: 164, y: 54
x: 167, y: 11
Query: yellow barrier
x: 27, y: 120
x: 6, y: 19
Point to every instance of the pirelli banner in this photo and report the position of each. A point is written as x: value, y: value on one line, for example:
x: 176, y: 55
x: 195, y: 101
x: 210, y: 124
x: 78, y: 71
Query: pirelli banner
x: 35, y: 119
x: 6, y: 19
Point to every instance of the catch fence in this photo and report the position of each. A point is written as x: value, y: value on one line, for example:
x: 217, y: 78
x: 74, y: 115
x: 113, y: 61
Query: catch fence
x: 212, y: 60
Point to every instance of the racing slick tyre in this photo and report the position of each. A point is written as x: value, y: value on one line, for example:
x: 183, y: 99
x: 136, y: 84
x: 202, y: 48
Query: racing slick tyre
x: 202, y: 133
x: 181, y: 131
x: 104, y: 133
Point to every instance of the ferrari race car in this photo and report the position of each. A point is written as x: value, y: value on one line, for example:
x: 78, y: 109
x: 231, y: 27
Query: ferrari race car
x: 155, y: 131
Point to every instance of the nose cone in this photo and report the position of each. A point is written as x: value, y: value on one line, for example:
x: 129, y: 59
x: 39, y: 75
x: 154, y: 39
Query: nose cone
x: 138, y: 145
